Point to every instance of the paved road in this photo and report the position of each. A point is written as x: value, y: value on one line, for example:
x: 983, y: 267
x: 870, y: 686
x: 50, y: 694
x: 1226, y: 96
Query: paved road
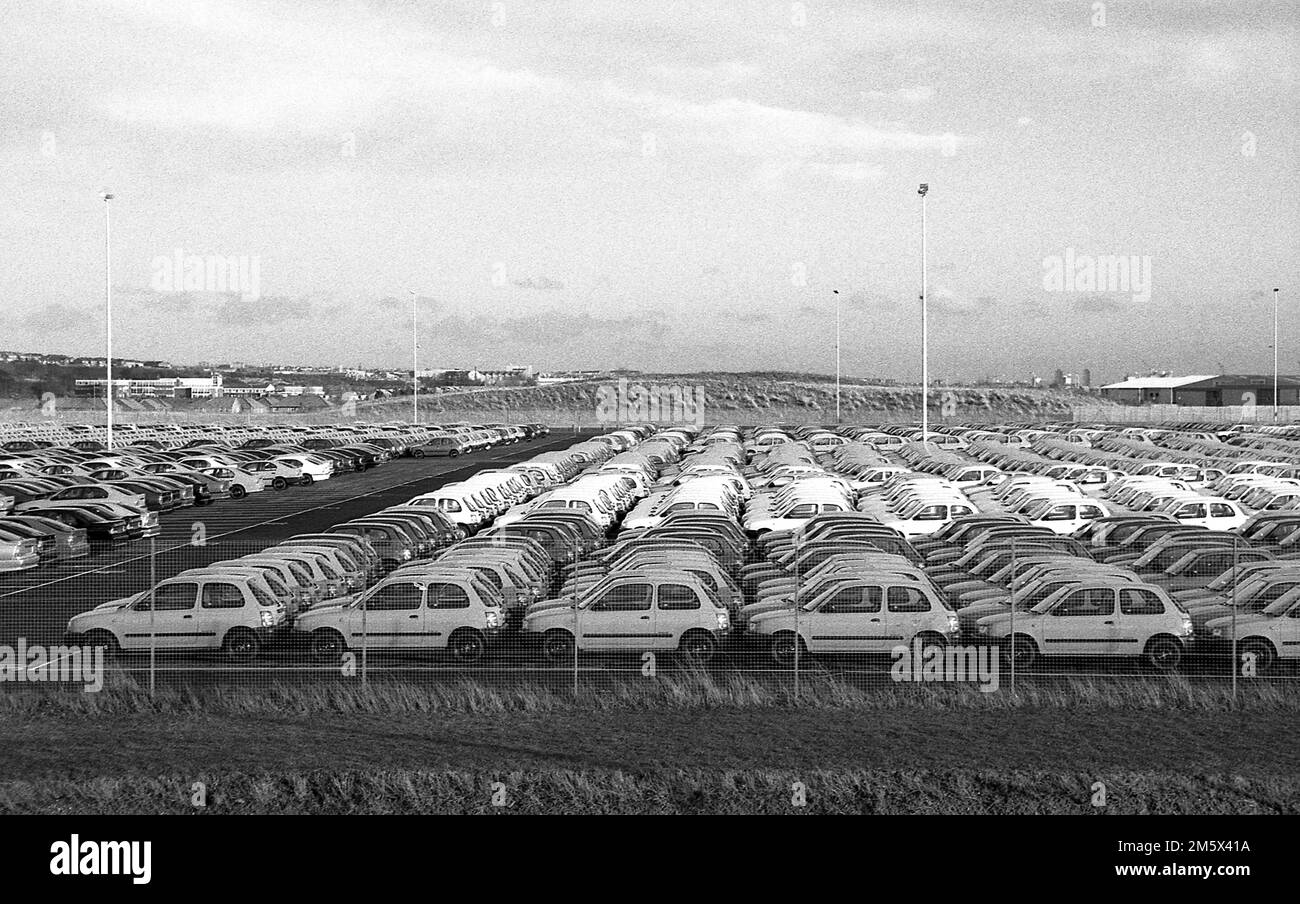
x: 36, y: 604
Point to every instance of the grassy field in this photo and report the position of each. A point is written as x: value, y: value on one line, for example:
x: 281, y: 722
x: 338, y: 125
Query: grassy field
x: 675, y: 745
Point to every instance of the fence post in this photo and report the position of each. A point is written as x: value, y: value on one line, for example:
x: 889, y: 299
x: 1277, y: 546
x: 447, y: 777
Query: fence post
x: 1236, y: 575
x: 153, y: 607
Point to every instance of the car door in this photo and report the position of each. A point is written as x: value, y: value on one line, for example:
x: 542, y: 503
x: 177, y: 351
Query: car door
x: 677, y: 610
x: 394, y: 616
x: 1142, y: 614
x: 1081, y: 623
x: 222, y: 603
x: 621, y: 618
x: 1062, y: 518
x: 1193, y: 513
x: 447, y: 609
x: 849, y: 622
x: 907, y: 610
x: 172, y: 622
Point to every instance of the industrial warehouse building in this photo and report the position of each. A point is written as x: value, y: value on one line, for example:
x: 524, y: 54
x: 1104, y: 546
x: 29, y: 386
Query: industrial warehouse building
x: 1208, y: 391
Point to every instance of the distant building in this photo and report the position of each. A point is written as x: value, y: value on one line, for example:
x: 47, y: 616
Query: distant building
x: 163, y: 387
x: 1204, y: 390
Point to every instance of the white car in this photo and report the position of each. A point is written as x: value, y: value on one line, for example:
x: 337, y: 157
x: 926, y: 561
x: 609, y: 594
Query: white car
x: 858, y: 617
x: 659, y: 610
x: 229, y: 612
x: 408, y: 612
x: 1094, y: 618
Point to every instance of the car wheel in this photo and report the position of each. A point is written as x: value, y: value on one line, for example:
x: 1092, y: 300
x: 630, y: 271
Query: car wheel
x: 452, y: 454
x: 418, y: 453
x: 279, y: 483
x: 1163, y: 654
x: 467, y: 646
x: 557, y: 646
x: 241, y: 645
x: 307, y: 479
x: 783, y: 649
x: 238, y: 492
x: 1019, y: 651
x: 698, y: 647
x: 1265, y: 655
x: 327, y: 645
x: 106, y: 640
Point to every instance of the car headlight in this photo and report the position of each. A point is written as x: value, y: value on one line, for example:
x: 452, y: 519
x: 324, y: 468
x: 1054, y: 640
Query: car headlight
x: 493, y: 618
x: 1187, y: 626
x: 953, y: 624
x: 406, y: 553
x: 268, y: 618
x: 724, y: 620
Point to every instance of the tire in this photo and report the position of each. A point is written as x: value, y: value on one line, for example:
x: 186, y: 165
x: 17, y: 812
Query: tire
x: 307, y: 480
x: 418, y: 453
x: 453, y: 453
x: 557, y: 646
x: 278, y: 483
x: 697, y: 647
x: 1265, y: 655
x: 783, y: 647
x: 467, y: 646
x: 238, y: 492
x: 1163, y: 654
x: 1022, y: 650
x: 105, y: 639
x: 241, y: 645
x: 327, y: 645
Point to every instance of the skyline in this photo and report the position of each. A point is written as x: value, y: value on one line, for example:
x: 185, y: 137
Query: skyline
x: 601, y: 185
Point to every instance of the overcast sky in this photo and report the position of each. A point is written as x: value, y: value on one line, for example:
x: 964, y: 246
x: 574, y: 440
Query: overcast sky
x: 658, y: 185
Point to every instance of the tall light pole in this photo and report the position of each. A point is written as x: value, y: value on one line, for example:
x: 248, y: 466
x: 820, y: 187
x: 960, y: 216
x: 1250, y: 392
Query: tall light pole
x: 836, y: 292
x: 108, y: 317
x: 925, y: 329
x: 1275, y: 356
x: 415, y: 367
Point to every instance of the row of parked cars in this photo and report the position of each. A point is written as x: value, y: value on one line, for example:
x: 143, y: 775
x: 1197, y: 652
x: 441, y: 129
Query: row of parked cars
x: 407, y: 577
x: 62, y: 491
x: 776, y: 542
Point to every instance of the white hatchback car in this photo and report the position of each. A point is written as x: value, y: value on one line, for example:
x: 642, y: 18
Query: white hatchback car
x: 659, y: 610
x: 1094, y: 618
x: 408, y: 612
x: 229, y: 612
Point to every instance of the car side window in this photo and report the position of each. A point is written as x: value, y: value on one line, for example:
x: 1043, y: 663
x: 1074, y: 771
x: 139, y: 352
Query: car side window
x: 222, y: 596
x: 1087, y: 602
x: 907, y: 599
x: 1060, y: 513
x: 678, y: 596
x: 931, y: 513
x: 1221, y: 510
x: 392, y: 597
x: 854, y: 600
x: 171, y: 597
x: 1140, y: 602
x: 448, y: 596
x: 627, y: 598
